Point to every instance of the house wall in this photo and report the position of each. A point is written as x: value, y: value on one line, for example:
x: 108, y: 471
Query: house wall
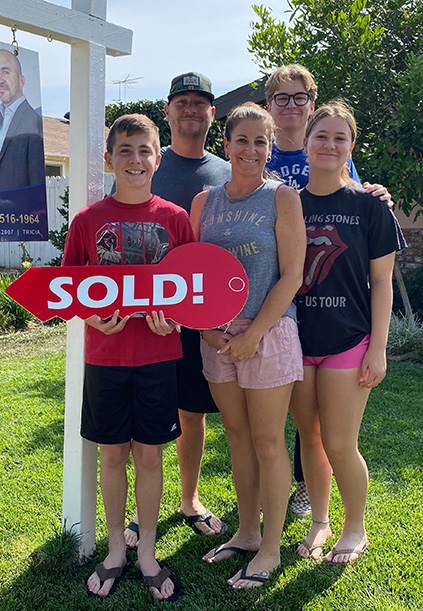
x: 411, y: 258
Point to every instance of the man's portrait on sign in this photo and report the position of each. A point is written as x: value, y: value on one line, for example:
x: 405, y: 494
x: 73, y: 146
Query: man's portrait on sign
x: 23, y: 215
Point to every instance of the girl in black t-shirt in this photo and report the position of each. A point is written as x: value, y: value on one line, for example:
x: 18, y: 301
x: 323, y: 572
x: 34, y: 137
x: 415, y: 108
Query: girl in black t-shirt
x: 344, y: 309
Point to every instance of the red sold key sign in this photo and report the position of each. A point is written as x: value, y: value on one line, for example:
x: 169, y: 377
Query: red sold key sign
x: 198, y: 285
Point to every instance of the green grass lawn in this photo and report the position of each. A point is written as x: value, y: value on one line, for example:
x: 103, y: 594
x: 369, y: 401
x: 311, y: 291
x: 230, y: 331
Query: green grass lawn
x: 36, y: 572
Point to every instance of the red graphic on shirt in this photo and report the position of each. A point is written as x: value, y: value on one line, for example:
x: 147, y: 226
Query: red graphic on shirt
x: 324, y: 246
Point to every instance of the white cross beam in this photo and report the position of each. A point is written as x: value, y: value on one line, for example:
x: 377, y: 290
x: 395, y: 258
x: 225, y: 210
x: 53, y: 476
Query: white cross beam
x: 85, y: 28
x: 85, y: 21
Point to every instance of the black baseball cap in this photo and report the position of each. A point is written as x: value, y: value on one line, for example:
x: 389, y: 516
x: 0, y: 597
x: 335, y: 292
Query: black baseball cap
x: 191, y: 81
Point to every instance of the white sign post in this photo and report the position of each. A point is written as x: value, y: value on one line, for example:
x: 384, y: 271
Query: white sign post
x: 91, y: 37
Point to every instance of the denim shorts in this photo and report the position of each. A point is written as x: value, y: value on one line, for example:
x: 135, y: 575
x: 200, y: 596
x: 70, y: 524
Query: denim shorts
x: 278, y: 360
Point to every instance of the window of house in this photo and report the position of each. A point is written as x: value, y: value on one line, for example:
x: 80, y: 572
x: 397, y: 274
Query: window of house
x: 53, y: 170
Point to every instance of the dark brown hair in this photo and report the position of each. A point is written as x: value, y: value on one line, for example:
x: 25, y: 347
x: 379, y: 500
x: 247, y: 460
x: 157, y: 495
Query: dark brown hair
x: 251, y: 111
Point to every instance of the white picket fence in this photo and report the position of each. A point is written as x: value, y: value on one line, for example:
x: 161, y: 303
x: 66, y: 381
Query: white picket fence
x: 42, y: 252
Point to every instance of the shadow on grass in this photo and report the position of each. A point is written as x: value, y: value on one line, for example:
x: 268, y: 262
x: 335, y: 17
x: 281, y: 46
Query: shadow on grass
x: 215, y: 460
x: 50, y: 436
x: 48, y: 586
x: 45, y: 388
x: 49, y: 579
x: 54, y: 581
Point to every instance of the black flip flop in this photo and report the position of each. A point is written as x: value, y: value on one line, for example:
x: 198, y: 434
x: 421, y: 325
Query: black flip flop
x: 115, y: 573
x: 230, y: 548
x: 258, y: 577
x: 204, y: 517
x: 135, y: 528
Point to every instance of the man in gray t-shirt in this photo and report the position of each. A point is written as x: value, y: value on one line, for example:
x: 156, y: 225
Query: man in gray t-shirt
x: 186, y: 169
x: 179, y: 178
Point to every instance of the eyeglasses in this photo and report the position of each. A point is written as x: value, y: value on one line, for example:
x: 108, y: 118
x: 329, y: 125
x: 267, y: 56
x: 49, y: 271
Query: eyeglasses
x: 283, y: 99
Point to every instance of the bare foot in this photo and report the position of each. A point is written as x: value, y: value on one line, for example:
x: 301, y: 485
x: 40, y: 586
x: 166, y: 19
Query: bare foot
x: 255, y: 573
x: 312, y: 546
x: 151, y: 569
x: 94, y: 582
x: 236, y: 545
x: 131, y: 534
x: 348, y: 548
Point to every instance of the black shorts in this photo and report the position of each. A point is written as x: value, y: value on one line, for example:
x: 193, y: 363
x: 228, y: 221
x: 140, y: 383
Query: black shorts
x: 124, y: 403
x: 193, y: 389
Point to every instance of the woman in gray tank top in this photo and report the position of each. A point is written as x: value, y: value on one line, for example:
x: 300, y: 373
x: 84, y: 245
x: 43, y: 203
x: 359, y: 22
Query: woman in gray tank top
x: 251, y: 366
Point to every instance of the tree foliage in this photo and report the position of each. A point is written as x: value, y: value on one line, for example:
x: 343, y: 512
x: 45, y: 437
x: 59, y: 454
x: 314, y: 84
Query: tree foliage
x: 370, y: 53
x: 154, y: 110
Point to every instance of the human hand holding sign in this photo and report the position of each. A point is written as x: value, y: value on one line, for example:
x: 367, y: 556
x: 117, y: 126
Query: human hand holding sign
x: 161, y: 325
x: 110, y: 326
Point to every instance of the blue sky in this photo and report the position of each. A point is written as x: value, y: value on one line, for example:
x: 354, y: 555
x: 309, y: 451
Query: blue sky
x: 170, y: 37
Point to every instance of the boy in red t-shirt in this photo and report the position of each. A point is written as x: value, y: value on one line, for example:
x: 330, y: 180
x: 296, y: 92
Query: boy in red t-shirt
x: 130, y: 398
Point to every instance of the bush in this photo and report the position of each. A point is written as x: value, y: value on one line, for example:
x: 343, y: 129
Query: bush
x: 154, y: 110
x: 60, y: 553
x: 12, y: 315
x: 414, y: 286
x: 4, y: 321
x: 405, y: 336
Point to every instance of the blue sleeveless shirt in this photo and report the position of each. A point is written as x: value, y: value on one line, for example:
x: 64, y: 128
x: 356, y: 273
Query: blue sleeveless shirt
x: 246, y: 227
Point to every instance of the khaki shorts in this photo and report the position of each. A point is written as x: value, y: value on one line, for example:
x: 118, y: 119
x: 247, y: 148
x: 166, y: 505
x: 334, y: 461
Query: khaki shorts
x: 278, y: 360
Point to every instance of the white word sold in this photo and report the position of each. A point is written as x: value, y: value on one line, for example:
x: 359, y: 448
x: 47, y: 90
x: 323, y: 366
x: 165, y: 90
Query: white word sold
x: 58, y: 287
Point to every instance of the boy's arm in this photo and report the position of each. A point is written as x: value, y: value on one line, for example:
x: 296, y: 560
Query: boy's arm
x: 75, y: 253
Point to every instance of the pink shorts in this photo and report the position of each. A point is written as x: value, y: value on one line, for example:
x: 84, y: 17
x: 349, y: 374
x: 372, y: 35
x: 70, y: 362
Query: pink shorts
x: 350, y: 359
x: 278, y: 360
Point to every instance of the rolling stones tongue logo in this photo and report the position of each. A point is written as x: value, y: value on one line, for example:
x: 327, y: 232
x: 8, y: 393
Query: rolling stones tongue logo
x: 323, y: 247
